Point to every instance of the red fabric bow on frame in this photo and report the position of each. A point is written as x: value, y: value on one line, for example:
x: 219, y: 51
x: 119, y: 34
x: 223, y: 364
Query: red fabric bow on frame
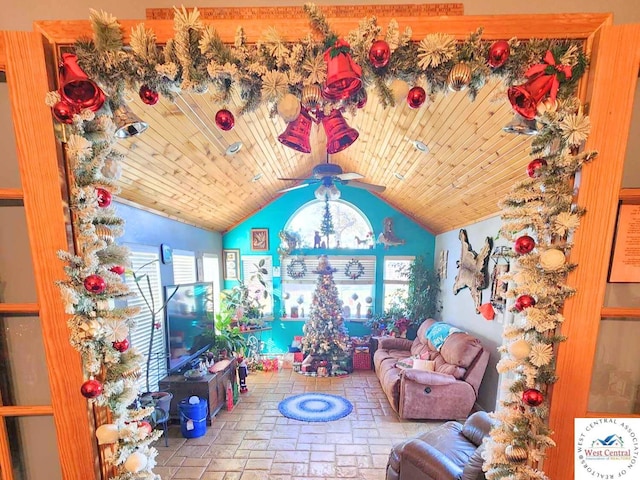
x: 549, y: 67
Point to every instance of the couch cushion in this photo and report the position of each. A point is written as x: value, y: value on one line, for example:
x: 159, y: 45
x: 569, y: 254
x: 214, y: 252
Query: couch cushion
x: 460, y: 349
x: 448, y: 440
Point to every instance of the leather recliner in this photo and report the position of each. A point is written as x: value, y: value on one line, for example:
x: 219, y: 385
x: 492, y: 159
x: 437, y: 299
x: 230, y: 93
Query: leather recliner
x: 452, y: 451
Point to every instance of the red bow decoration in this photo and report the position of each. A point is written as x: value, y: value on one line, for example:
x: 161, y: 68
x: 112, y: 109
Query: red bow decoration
x: 549, y: 67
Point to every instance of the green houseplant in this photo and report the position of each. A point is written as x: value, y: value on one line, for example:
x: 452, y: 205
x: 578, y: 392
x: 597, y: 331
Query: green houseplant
x: 423, y: 300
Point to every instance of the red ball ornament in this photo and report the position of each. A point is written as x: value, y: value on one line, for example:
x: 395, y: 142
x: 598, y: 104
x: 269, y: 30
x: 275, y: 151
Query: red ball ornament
x: 532, y: 397
x: 225, y: 120
x: 64, y: 111
x: 104, y: 197
x: 146, y: 426
x: 95, y: 284
x: 379, y: 54
x: 524, y: 244
x: 533, y: 169
x: 498, y: 53
x: 121, y: 346
x: 524, y: 301
x: 416, y: 97
x: 148, y: 96
x: 91, y: 389
x: 117, y: 269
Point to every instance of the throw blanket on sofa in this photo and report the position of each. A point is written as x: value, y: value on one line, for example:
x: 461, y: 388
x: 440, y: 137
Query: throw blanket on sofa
x: 438, y: 333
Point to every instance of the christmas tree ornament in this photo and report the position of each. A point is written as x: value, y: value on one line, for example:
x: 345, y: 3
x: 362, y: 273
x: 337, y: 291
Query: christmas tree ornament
x: 75, y: 86
x: 104, y: 233
x: 516, y: 454
x: 362, y: 98
x: 297, y: 133
x: 354, y: 297
x: 552, y: 259
x: 111, y: 169
x: 148, y: 95
x: 343, y: 74
x: 311, y: 98
x: 519, y: 349
x: 543, y: 79
x: 547, y: 105
x: 524, y: 245
x: 128, y: 124
x: 136, y: 462
x: 121, y: 346
x: 416, y: 97
x: 145, y: 427
x: 379, y: 54
x: 107, y: 433
x: 399, y: 90
x: 225, y: 120
x: 91, y: 388
x: 523, y: 302
x: 532, y: 397
x: 339, y: 134
x: 117, y: 269
x: 104, y: 197
x: 133, y: 373
x: 64, y: 112
x: 534, y: 169
x: 289, y: 107
x: 459, y: 77
x: 95, y: 284
x: 498, y: 53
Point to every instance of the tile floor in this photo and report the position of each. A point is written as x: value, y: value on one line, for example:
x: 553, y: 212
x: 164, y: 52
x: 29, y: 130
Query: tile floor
x: 255, y: 442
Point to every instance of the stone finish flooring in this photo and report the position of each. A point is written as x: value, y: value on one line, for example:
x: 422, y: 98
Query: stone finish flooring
x: 255, y: 442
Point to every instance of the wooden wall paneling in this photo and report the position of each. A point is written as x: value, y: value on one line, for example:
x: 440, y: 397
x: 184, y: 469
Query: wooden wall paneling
x: 37, y: 154
x: 611, y: 100
x: 6, y: 470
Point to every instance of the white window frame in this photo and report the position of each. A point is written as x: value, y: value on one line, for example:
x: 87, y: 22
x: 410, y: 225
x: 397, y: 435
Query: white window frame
x: 390, y: 284
x: 184, y: 267
x: 211, y: 273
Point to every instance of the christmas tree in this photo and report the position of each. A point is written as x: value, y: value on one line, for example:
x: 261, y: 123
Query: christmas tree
x: 327, y: 228
x: 325, y: 336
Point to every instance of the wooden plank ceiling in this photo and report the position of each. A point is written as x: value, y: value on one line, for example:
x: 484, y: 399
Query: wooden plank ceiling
x: 180, y: 167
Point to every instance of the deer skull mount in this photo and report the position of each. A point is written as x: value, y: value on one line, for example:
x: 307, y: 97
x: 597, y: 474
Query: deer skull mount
x: 473, y: 269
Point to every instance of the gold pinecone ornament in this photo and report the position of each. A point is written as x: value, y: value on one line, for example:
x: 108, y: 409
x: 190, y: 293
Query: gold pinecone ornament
x: 459, y: 77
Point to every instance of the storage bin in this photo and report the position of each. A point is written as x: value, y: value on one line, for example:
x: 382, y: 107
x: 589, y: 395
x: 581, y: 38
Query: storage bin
x: 193, y: 418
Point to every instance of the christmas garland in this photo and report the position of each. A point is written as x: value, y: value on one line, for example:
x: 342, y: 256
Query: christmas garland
x: 196, y: 60
x: 354, y: 269
x: 297, y: 268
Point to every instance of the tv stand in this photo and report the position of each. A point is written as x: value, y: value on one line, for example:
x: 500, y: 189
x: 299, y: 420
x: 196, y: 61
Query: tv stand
x: 212, y: 387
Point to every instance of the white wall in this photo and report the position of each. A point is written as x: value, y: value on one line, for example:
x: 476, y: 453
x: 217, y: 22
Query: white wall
x: 459, y: 310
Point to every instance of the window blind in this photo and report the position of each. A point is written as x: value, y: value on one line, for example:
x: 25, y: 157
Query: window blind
x: 339, y: 262
x: 184, y: 267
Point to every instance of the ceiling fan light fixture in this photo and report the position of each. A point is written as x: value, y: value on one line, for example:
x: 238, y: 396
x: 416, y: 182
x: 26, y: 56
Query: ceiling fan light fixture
x: 521, y: 126
x: 324, y: 192
x: 234, y: 148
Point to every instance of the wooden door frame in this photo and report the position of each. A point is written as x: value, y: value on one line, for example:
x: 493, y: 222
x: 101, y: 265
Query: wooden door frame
x: 576, y: 26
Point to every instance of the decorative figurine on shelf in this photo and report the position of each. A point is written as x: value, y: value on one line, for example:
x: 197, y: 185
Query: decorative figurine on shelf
x: 316, y: 239
x: 387, y: 237
x: 243, y: 371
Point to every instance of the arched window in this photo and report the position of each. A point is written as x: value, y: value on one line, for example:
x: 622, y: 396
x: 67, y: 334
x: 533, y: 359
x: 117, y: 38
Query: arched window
x: 351, y: 226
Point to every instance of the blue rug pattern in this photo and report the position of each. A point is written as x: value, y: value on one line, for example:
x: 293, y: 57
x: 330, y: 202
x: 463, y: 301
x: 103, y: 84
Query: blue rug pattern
x: 315, y: 407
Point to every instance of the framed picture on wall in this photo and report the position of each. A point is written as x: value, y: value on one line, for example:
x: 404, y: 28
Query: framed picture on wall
x: 231, y: 264
x: 259, y: 239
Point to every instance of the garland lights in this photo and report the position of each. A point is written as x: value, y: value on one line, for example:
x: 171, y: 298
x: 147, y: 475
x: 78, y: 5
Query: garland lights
x: 539, y: 214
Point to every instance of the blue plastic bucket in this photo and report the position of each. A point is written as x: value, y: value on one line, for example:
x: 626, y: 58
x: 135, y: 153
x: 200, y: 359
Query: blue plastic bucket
x: 193, y: 418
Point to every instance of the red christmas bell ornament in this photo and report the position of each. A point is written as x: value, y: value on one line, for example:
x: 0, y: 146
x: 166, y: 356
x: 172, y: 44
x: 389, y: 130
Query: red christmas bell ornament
x: 297, y: 133
x: 75, y: 86
x: 343, y: 74
x: 524, y: 245
x: 498, y: 53
x: 533, y: 169
x: 379, y: 54
x: 104, y: 197
x: 526, y: 97
x: 339, y: 134
x: 148, y: 95
x: 524, y: 301
x: 416, y: 97
x: 121, y: 346
x: 64, y: 111
x: 225, y: 120
x: 532, y: 397
x: 117, y: 269
x: 95, y: 284
x: 91, y: 389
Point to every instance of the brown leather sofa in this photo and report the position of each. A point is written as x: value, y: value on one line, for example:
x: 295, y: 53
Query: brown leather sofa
x: 450, y: 452
x: 447, y: 393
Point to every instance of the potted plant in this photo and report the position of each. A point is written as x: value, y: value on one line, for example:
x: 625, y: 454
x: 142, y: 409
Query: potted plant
x: 423, y: 299
x: 228, y: 338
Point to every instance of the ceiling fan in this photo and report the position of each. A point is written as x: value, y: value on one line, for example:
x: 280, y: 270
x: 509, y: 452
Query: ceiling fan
x: 328, y: 175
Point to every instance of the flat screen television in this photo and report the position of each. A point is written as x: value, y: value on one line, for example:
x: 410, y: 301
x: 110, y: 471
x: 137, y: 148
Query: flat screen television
x: 189, y: 320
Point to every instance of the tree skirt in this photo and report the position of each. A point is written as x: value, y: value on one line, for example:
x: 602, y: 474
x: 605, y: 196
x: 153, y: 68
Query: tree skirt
x: 315, y: 407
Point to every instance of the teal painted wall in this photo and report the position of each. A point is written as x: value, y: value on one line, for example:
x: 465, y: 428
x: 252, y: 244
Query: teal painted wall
x: 274, y: 216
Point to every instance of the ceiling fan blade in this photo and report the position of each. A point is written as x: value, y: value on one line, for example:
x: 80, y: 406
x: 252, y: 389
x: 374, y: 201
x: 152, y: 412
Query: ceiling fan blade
x: 366, y: 186
x: 349, y: 176
x: 293, y: 179
x: 302, y: 185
